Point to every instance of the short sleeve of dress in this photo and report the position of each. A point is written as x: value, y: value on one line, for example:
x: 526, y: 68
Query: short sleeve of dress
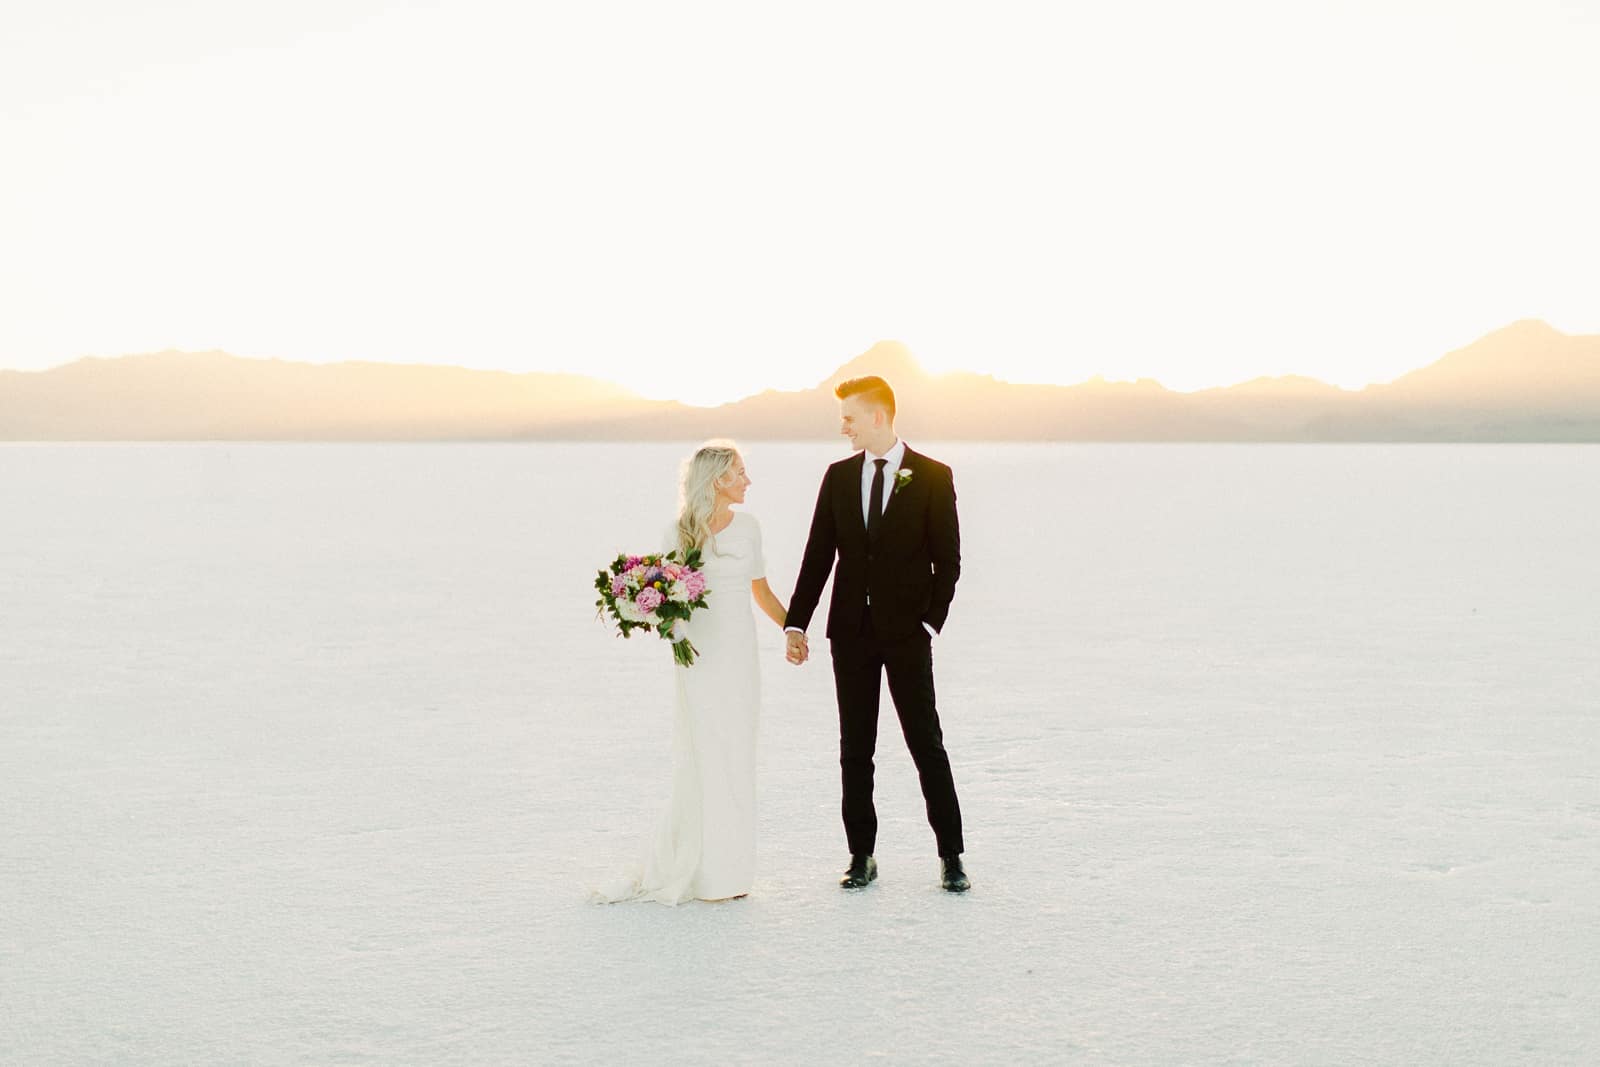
x: 758, y: 554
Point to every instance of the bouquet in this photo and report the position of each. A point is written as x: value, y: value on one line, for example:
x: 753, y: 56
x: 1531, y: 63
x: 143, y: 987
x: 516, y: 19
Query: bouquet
x: 653, y: 593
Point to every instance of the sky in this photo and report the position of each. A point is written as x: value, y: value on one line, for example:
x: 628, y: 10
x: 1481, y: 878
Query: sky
x: 705, y: 200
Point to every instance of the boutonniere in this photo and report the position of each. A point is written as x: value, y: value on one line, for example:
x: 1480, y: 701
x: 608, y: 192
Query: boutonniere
x: 902, y: 478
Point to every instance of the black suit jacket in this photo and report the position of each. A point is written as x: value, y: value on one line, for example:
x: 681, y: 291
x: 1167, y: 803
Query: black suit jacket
x: 909, y: 570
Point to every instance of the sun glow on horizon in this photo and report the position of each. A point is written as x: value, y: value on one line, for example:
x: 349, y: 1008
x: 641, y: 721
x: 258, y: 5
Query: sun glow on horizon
x: 706, y: 201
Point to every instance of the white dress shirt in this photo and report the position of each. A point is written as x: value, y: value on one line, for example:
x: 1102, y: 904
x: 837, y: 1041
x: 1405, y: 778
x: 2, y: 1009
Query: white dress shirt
x: 896, y: 456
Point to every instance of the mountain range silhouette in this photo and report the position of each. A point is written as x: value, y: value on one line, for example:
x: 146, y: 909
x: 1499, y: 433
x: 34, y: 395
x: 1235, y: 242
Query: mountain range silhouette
x: 1526, y: 382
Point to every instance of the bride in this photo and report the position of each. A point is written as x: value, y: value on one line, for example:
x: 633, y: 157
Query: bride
x: 705, y: 844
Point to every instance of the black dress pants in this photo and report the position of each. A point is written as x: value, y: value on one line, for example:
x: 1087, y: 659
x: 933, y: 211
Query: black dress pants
x: 859, y: 664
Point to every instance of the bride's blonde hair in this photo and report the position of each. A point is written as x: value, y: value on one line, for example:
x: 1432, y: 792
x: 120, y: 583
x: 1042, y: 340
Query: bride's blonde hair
x: 697, y: 491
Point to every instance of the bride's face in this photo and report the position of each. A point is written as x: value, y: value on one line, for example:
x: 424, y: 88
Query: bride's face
x: 731, y: 486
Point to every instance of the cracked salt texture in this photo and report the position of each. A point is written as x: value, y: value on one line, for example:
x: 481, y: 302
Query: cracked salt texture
x: 1267, y: 754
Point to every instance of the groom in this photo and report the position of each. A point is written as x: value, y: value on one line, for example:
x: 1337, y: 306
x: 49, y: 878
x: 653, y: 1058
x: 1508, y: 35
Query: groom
x: 888, y: 515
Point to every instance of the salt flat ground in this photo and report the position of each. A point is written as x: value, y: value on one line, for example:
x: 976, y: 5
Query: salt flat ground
x: 1267, y: 755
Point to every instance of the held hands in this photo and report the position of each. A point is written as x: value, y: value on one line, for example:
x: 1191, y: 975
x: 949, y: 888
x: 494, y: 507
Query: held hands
x: 797, y: 650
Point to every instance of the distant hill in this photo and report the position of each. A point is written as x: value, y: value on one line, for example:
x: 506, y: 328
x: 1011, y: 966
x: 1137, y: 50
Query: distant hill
x: 1526, y: 382
x: 212, y: 395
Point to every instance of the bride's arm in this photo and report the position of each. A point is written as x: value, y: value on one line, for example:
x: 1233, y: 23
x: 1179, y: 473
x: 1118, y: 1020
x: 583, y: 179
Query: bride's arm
x: 768, y: 601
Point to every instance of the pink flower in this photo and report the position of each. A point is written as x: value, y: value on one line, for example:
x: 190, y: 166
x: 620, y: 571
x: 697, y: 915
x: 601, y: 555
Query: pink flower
x: 619, y: 585
x: 632, y: 562
x: 648, y: 600
x: 694, y: 583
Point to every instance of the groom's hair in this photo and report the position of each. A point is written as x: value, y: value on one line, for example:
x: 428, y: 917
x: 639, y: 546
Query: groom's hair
x: 871, y: 389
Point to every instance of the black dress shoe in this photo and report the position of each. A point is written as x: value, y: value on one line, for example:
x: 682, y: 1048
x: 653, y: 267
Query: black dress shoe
x: 951, y: 876
x: 863, y: 872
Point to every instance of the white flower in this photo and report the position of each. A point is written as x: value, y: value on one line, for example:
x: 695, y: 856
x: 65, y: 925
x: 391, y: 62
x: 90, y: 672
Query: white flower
x: 902, y: 477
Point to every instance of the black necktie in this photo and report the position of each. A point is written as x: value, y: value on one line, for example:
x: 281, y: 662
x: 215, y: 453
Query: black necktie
x: 875, y: 501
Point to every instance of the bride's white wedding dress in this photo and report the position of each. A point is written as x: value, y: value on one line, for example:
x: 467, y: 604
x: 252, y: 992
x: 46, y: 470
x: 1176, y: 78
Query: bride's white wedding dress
x: 704, y: 846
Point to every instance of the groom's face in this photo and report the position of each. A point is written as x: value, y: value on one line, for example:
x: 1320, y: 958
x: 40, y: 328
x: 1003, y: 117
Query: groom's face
x: 861, y: 422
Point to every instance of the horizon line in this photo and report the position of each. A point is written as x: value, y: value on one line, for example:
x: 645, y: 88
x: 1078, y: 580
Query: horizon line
x: 1093, y: 379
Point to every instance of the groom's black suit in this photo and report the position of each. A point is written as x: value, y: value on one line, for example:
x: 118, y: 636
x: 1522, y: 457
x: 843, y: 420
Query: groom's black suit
x: 886, y: 585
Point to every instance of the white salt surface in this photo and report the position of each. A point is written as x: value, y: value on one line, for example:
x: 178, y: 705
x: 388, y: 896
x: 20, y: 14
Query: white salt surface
x: 1267, y: 755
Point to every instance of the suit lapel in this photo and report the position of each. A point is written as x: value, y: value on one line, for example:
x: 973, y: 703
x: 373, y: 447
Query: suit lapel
x: 857, y: 522
x: 907, y: 461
